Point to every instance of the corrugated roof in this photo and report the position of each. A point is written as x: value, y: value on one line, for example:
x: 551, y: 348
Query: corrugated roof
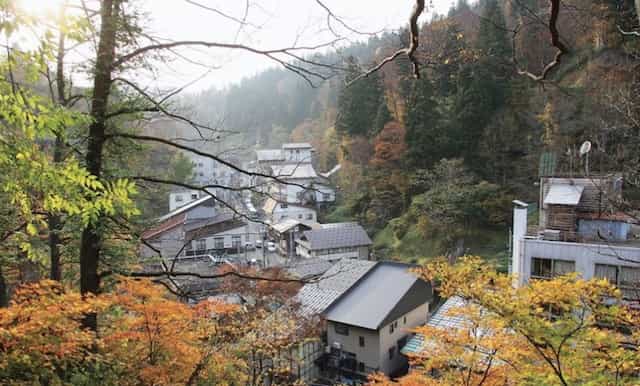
x: 292, y: 171
x: 297, y: 145
x: 564, y: 194
x: 337, y: 237
x: 314, y: 298
x: 386, y: 293
x: 270, y: 155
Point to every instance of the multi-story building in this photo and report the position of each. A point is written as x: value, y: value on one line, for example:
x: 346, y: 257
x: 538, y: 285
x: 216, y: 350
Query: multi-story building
x: 579, y: 230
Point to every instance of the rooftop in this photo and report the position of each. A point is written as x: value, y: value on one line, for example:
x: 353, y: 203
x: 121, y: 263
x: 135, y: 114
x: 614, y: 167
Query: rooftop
x: 193, y: 286
x: 336, y: 237
x: 308, y: 268
x: 297, y: 145
x: 270, y: 155
x: 384, y: 294
x: 293, y: 171
x: 186, y: 207
x: 314, y: 298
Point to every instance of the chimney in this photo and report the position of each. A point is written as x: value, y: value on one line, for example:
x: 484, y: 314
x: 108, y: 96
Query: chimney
x: 519, y: 231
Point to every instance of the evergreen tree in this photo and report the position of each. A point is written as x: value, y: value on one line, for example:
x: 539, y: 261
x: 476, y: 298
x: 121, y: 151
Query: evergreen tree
x: 426, y: 142
x: 383, y: 116
x: 359, y: 102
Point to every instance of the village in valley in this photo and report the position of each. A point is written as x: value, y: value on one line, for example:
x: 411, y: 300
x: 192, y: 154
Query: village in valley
x: 320, y: 193
x: 370, y: 307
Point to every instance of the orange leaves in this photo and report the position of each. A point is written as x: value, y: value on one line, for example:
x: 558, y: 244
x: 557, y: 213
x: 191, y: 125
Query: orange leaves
x: 389, y: 145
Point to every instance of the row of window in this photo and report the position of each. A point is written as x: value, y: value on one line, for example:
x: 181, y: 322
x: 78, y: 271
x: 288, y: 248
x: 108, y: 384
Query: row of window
x: 627, y: 279
x: 218, y: 242
x: 332, y: 251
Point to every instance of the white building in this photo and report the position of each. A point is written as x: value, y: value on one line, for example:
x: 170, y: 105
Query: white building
x: 183, y: 197
x: 277, y: 211
x: 573, y: 237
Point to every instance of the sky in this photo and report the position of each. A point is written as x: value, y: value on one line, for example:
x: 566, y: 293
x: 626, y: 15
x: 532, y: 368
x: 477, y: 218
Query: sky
x: 271, y: 24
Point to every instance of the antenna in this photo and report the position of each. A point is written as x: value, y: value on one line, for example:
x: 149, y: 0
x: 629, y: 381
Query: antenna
x: 585, y: 148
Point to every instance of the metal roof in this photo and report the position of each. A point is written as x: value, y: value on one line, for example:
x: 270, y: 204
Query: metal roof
x: 338, y: 225
x: 314, y: 298
x: 564, y: 194
x: 186, y: 207
x: 270, y: 155
x: 386, y: 293
x: 297, y: 145
x: 336, y: 237
x: 292, y: 171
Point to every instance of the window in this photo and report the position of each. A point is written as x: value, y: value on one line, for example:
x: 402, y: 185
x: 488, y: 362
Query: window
x: 300, y: 216
x: 404, y: 320
x: 627, y: 279
x: 201, y: 245
x: 200, y: 164
x: 201, y: 174
x: 391, y: 328
x: 548, y: 268
x: 178, y: 197
x: 341, y: 329
x: 284, y: 205
x: 326, y: 196
x: 361, y: 367
x: 236, y: 241
x: 194, y: 196
x: 218, y: 242
x: 392, y: 351
x: 361, y: 341
x: 309, y: 216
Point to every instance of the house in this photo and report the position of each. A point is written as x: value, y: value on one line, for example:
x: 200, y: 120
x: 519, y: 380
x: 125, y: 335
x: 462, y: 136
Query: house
x: 368, y: 325
x: 295, y: 181
x: 223, y: 233
x: 277, y: 211
x: 166, y: 238
x: 334, y: 242
x: 579, y: 230
x: 182, y: 197
x: 306, y: 269
x: 285, y: 232
x: 198, y: 227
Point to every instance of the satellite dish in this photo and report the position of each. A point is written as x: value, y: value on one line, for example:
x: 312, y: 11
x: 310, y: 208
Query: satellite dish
x: 585, y: 147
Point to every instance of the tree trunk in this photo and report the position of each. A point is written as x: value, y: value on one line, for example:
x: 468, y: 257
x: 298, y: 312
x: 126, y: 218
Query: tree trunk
x: 55, y: 221
x: 4, y: 293
x: 638, y: 11
x: 90, y: 243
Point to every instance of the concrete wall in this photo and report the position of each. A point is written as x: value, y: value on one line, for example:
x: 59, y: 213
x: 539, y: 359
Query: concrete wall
x: 298, y: 155
x: 178, y: 199
x: 585, y: 256
x: 294, y: 212
x: 244, y: 232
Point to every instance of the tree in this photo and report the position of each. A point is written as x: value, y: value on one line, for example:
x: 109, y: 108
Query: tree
x: 359, y: 102
x: 427, y: 142
x: 561, y: 331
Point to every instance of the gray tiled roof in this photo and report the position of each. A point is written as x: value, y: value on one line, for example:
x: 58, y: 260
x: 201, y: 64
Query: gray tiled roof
x: 314, y: 298
x: 297, y: 145
x: 337, y: 237
x: 309, y: 268
x: 386, y: 293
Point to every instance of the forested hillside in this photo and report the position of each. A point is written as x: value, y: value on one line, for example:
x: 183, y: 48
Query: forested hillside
x: 427, y: 164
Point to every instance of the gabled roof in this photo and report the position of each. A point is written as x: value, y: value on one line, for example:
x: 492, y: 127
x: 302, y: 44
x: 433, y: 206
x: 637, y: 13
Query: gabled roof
x: 564, y: 194
x: 383, y: 295
x: 314, y: 298
x: 336, y: 237
x: 186, y: 207
x: 294, y: 171
x: 297, y: 145
x: 164, y: 226
x: 269, y: 155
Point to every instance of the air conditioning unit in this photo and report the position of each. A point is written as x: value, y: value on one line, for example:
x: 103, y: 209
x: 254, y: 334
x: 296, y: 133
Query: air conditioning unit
x: 551, y: 235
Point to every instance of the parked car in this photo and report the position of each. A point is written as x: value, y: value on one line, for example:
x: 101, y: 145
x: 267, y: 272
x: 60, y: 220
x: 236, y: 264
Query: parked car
x: 258, y: 243
x: 271, y: 246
